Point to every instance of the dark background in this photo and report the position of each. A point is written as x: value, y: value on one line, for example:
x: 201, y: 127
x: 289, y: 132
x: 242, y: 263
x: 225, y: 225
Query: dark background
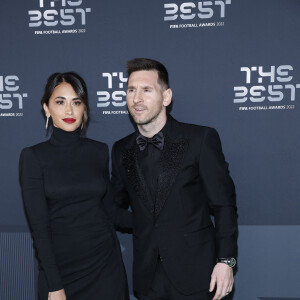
x: 204, y: 63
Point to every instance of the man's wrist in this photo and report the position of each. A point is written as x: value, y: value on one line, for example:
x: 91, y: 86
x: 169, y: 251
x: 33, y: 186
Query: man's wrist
x: 229, y: 261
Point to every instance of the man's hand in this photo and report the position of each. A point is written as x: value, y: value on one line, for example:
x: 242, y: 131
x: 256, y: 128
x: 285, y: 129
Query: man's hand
x: 57, y: 295
x: 222, y: 276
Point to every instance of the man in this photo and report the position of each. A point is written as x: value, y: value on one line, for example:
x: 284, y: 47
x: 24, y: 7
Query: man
x: 173, y: 175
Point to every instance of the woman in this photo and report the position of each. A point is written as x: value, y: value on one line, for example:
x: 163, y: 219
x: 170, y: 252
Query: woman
x: 65, y: 191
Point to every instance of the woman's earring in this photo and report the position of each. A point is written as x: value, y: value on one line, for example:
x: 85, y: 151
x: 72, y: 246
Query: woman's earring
x: 47, y: 122
x: 81, y: 125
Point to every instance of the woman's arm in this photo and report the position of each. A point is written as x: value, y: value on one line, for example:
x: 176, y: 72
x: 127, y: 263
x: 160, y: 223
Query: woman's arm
x: 35, y: 203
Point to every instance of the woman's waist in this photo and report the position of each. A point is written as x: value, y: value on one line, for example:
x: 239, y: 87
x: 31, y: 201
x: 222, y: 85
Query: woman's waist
x: 67, y: 228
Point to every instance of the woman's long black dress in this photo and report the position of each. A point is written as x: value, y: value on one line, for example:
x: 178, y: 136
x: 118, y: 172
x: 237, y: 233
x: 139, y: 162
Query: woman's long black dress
x: 64, y: 184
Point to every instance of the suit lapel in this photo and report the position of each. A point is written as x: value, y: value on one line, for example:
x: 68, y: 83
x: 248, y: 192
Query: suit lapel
x: 170, y: 163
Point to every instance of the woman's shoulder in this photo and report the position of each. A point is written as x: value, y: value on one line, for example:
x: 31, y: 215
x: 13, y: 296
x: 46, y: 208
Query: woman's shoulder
x: 35, y: 149
x: 34, y: 154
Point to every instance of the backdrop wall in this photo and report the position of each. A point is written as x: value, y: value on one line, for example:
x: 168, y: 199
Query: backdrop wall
x: 233, y: 65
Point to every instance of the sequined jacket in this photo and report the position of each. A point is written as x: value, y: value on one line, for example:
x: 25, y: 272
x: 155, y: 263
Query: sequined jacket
x: 193, y: 185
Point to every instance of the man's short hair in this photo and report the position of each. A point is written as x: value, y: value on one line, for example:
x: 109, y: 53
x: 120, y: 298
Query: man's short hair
x: 147, y: 64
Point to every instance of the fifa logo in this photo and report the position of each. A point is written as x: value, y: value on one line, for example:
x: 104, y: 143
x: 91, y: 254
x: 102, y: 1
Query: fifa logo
x: 192, y: 10
x: 63, y: 12
x: 273, y: 84
x: 115, y: 97
x: 10, y: 96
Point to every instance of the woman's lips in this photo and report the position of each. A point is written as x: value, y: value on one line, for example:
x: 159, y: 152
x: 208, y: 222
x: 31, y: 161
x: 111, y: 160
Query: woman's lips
x: 69, y: 120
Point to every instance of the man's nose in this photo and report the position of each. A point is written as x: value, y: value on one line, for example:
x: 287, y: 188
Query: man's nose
x: 137, y: 97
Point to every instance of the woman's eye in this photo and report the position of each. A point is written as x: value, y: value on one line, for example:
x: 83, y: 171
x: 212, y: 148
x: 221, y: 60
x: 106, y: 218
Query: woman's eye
x: 59, y: 102
x: 77, y: 103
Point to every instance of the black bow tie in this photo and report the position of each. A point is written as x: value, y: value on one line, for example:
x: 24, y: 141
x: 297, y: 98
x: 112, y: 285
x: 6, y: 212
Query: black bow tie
x: 157, y: 141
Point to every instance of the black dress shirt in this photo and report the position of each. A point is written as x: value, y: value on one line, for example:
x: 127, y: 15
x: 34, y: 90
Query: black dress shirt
x: 148, y: 160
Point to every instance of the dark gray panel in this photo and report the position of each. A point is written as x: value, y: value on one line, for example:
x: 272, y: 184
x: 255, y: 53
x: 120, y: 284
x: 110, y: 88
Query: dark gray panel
x: 17, y: 280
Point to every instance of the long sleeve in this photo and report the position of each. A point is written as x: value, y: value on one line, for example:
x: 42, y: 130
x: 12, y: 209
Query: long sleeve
x: 35, y: 203
x: 221, y: 193
x: 121, y: 216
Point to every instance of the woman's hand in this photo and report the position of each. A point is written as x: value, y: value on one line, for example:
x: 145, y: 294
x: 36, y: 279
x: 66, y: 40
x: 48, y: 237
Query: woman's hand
x: 57, y: 295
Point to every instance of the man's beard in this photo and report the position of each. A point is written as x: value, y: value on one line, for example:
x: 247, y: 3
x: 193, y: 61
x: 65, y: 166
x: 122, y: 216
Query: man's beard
x: 148, y: 119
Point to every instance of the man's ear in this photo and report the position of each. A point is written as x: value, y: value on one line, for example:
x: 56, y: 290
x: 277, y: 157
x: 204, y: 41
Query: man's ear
x: 167, y: 97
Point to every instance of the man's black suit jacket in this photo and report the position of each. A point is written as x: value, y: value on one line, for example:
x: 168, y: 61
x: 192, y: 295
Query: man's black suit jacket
x: 193, y: 183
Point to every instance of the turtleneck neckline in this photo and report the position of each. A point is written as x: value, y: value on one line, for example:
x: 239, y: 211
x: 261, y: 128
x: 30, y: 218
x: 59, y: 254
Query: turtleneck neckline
x: 64, y: 138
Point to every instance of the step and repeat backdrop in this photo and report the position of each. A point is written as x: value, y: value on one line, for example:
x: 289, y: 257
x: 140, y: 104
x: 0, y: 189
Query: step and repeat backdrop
x: 233, y: 65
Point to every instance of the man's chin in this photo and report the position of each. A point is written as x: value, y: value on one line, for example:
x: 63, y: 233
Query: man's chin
x: 139, y: 121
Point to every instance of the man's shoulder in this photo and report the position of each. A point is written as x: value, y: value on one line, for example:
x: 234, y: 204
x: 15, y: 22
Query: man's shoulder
x: 194, y: 127
x: 191, y: 130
